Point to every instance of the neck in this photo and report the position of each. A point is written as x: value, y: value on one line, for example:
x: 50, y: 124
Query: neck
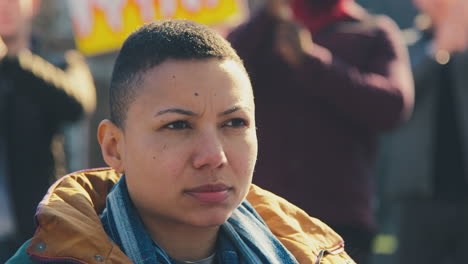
x: 182, y: 242
x: 17, y: 43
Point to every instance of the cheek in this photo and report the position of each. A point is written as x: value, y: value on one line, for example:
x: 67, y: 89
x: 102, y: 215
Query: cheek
x: 148, y: 152
x: 243, y: 163
x: 141, y: 158
x: 243, y: 157
x: 171, y: 158
x: 156, y: 160
x: 154, y: 174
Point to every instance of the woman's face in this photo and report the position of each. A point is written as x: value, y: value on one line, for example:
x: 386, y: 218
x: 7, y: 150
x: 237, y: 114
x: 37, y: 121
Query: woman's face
x: 189, y: 144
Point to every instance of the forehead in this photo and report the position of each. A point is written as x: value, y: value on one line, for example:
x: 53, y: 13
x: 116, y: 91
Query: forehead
x: 197, y: 77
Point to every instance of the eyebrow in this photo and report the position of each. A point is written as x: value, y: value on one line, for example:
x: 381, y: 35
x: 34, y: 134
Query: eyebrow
x: 177, y: 111
x: 229, y: 111
x: 191, y: 113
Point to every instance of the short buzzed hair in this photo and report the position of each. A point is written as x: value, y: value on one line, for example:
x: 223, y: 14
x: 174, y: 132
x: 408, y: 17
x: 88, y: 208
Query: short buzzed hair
x: 151, y: 45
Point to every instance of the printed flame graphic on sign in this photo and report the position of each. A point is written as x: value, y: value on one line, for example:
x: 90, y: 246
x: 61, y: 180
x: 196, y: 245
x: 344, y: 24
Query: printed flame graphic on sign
x: 82, y: 11
x: 102, y: 25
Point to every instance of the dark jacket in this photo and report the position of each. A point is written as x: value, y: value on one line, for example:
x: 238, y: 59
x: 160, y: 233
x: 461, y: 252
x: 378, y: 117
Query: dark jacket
x: 36, y: 101
x: 318, y: 125
x: 410, y: 152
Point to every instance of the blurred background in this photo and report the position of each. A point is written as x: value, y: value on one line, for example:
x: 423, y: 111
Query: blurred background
x: 59, y: 25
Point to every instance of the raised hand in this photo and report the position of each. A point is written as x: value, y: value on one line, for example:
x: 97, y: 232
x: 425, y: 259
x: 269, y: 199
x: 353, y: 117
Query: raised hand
x: 292, y: 42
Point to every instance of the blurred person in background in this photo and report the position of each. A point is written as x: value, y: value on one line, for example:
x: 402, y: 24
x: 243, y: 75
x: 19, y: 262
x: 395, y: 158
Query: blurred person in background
x: 427, y: 158
x: 328, y: 79
x: 36, y: 100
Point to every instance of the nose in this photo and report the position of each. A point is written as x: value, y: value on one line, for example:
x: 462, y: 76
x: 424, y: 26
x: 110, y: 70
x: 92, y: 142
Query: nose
x: 209, y: 152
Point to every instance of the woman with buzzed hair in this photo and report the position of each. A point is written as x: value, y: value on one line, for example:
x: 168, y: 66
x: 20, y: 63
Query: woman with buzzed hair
x: 182, y: 144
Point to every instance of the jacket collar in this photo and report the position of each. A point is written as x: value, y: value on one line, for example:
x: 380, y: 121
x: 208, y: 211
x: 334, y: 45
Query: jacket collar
x: 306, y: 237
x: 68, y: 221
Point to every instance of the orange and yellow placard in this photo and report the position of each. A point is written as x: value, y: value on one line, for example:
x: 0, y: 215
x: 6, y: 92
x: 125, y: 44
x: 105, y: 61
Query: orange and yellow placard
x: 102, y: 25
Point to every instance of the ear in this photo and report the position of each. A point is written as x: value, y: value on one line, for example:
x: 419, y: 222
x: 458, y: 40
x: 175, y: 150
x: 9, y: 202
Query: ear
x: 112, y: 144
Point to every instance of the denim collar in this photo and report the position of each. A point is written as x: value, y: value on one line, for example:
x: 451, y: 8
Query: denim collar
x: 244, y: 238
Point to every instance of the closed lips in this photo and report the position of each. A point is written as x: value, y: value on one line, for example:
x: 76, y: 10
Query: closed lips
x: 212, y: 193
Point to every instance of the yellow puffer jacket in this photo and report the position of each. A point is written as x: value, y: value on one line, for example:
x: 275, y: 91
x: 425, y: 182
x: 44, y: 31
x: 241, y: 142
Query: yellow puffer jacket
x: 70, y: 230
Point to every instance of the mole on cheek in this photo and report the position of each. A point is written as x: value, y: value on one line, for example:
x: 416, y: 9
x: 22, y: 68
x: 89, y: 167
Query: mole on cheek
x: 154, y: 157
x: 196, y: 94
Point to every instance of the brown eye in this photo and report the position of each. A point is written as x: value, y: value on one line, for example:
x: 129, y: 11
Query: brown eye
x: 178, y: 125
x: 236, y: 122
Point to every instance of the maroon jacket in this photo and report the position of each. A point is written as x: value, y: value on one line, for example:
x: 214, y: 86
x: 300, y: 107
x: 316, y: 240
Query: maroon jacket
x: 318, y: 126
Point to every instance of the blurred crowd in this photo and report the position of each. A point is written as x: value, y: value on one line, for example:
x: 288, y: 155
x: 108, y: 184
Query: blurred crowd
x: 362, y: 119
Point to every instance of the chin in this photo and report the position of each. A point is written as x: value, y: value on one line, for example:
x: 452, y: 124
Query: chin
x: 211, y: 220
